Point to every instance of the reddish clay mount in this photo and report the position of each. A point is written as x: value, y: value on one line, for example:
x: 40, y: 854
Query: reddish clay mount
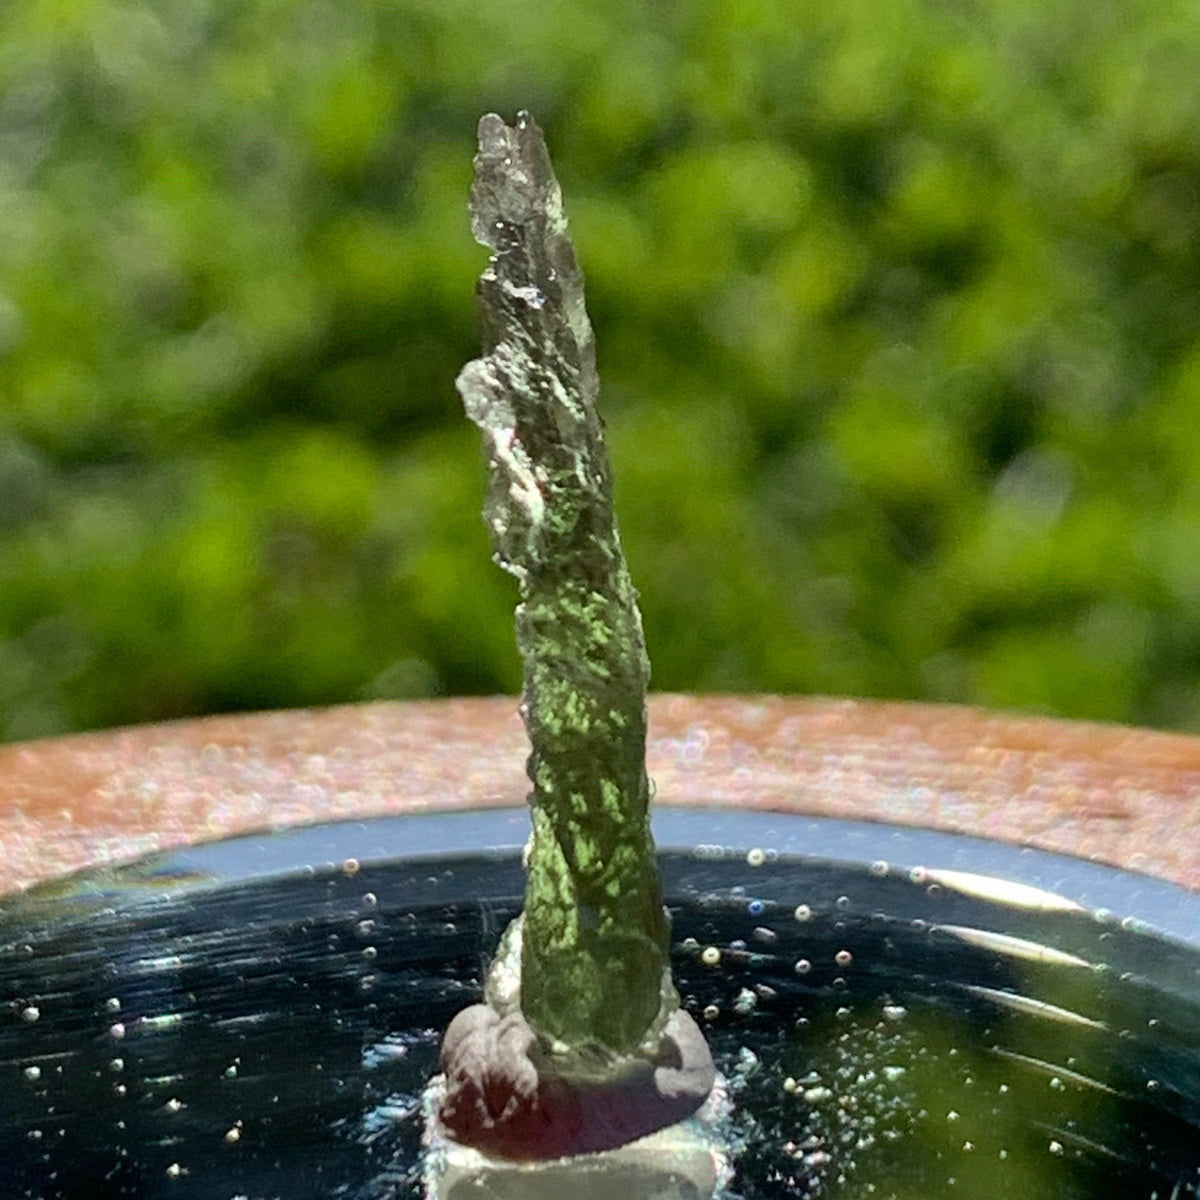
x: 504, y: 1097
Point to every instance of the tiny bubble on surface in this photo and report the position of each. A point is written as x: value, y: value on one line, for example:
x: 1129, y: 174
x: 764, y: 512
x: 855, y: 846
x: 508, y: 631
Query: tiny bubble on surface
x: 33, y: 1074
x: 31, y: 1012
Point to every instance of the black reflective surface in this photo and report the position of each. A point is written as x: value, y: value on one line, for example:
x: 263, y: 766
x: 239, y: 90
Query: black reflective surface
x: 228, y: 1023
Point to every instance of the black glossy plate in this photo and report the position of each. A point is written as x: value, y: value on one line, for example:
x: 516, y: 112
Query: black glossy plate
x: 898, y: 1013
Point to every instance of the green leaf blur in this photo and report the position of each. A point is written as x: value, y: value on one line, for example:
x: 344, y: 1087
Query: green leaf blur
x: 898, y: 315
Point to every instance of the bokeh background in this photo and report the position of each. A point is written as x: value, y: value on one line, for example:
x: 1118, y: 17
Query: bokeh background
x: 898, y: 317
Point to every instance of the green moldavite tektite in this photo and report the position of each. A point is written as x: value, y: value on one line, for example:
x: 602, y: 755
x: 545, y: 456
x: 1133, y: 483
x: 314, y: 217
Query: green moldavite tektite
x: 594, y: 938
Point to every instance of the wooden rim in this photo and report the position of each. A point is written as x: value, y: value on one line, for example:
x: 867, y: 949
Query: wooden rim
x: 1127, y: 797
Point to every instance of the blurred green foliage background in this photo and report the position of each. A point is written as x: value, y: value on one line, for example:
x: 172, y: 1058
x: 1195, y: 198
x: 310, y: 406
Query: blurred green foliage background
x: 898, y: 317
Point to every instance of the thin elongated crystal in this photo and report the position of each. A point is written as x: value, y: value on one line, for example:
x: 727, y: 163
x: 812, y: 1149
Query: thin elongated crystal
x: 594, y: 938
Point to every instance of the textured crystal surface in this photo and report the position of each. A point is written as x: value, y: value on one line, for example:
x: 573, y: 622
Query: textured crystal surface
x: 593, y: 966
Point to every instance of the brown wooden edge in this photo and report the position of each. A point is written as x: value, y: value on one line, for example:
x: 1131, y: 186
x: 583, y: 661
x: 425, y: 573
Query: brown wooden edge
x: 1129, y: 797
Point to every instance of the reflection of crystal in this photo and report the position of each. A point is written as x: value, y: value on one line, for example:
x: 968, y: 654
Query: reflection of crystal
x: 688, y: 1161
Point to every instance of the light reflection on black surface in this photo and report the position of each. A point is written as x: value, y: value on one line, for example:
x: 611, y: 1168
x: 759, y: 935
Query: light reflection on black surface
x: 204, y: 1027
